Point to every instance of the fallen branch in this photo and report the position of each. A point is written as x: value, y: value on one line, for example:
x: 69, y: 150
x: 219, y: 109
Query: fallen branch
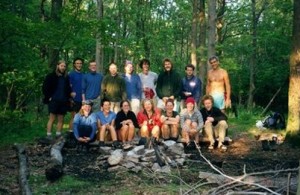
x: 23, y: 171
x: 55, y: 168
x: 221, y: 179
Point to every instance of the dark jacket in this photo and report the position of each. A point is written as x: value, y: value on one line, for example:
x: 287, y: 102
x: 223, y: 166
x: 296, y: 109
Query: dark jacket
x: 121, y: 116
x: 113, y: 88
x: 168, y: 84
x: 216, y: 113
x: 50, y: 84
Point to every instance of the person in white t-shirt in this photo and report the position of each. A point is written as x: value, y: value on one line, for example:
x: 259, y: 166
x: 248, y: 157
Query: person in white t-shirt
x: 148, y: 79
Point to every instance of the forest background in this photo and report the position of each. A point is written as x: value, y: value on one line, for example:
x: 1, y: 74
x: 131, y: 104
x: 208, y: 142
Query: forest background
x: 251, y: 38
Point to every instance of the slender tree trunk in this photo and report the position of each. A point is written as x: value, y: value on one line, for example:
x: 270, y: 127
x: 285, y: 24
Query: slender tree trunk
x: 202, y: 40
x: 194, y: 34
x: 293, y: 123
x: 99, y: 46
x: 212, y: 17
x: 252, y: 62
x: 56, y: 9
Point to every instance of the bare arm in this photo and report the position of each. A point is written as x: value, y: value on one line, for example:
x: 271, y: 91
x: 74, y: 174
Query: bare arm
x: 227, y: 89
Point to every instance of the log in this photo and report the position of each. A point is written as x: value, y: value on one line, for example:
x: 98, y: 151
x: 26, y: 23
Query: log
x: 269, y: 182
x: 55, y: 168
x: 23, y: 171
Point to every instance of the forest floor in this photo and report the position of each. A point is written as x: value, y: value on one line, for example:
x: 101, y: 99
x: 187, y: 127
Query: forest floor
x: 82, y: 177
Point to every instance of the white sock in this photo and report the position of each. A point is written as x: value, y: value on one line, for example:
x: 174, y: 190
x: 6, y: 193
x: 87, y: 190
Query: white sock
x: 58, y: 133
x: 49, y: 134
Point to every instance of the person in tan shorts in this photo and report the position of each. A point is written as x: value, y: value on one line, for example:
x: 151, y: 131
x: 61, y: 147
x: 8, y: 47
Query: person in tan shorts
x: 215, y: 124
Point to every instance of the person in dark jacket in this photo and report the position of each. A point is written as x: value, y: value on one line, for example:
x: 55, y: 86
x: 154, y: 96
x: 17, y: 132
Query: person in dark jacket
x: 126, y: 122
x: 215, y: 124
x: 57, y: 91
x: 168, y: 85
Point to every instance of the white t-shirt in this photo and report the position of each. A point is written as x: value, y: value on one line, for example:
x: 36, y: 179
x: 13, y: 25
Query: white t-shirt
x: 149, y: 81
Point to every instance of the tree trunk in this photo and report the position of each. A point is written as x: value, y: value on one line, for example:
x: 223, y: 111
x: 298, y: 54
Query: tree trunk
x: 194, y: 34
x: 293, y: 123
x: 252, y: 62
x: 56, y: 9
x: 202, y: 39
x: 99, y: 46
x: 212, y: 17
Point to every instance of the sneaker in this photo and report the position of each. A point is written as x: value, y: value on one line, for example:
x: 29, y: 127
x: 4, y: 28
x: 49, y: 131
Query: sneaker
x: 211, y: 147
x: 117, y: 145
x: 101, y: 144
x: 222, y: 147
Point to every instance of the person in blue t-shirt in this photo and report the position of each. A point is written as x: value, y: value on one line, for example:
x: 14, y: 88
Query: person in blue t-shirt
x: 91, y: 85
x: 106, y: 122
x: 85, y: 124
x: 76, y: 84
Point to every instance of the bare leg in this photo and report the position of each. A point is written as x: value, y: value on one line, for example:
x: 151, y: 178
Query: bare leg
x: 50, y: 123
x: 155, y: 132
x: 144, y: 131
x: 60, y: 122
x: 165, y: 132
x: 131, y: 133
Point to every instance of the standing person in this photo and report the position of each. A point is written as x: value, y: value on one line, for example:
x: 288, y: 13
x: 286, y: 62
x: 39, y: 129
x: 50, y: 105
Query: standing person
x: 215, y: 124
x: 76, y: 84
x: 114, y: 88
x: 85, y: 124
x: 126, y: 122
x: 133, y: 87
x: 106, y: 122
x: 57, y: 91
x: 91, y: 85
x: 218, y: 84
x: 149, y: 120
x: 148, y: 79
x: 190, y: 86
x: 191, y: 122
x: 168, y: 85
x: 170, y: 122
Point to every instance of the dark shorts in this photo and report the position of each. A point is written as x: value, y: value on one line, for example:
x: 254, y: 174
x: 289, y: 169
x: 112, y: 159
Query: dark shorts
x: 56, y: 107
x: 75, y: 106
x: 85, y: 131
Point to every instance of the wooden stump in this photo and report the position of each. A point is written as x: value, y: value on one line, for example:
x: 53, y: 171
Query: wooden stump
x: 55, y: 168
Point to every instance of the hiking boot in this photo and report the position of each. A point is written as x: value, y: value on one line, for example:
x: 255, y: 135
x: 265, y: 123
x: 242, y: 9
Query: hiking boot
x: 117, y: 145
x: 101, y: 144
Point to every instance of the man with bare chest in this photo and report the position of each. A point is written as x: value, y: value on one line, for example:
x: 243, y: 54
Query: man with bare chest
x: 218, y: 85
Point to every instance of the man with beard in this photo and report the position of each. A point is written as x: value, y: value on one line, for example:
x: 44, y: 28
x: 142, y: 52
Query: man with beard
x: 76, y: 84
x: 57, y: 91
x: 168, y: 85
x: 91, y: 85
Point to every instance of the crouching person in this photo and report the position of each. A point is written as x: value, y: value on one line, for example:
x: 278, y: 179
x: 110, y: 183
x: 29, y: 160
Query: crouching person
x: 126, y: 123
x: 215, y: 124
x: 106, y: 122
x: 85, y: 125
x: 191, y: 122
x: 149, y: 121
x: 170, y: 122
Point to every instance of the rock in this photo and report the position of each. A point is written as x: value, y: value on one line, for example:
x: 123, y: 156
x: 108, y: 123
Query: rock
x: 136, y: 169
x: 140, y: 150
x: 180, y: 161
x: 128, y: 165
x: 116, y: 157
x: 155, y: 167
x: 132, y: 159
x: 149, y: 152
x: 148, y: 159
x: 115, y: 168
x: 176, y: 149
x: 169, y: 143
x: 105, y: 150
x: 164, y: 169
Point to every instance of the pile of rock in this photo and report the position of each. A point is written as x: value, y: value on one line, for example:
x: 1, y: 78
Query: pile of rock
x: 137, y: 158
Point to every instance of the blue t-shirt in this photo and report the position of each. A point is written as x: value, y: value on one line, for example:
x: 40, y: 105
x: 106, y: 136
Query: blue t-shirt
x: 76, y: 84
x: 79, y: 120
x: 133, y: 86
x: 105, y: 119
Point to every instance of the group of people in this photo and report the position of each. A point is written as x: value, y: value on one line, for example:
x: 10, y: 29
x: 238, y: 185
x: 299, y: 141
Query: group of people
x: 162, y: 106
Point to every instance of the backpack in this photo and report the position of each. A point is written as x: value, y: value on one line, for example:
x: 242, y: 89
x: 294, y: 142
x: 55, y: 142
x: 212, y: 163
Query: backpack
x: 274, y: 121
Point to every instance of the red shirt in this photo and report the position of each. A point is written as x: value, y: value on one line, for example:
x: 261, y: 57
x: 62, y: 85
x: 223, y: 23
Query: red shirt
x: 151, y: 121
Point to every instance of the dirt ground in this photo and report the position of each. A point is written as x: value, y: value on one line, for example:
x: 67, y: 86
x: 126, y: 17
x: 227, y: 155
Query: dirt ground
x: 244, y: 152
